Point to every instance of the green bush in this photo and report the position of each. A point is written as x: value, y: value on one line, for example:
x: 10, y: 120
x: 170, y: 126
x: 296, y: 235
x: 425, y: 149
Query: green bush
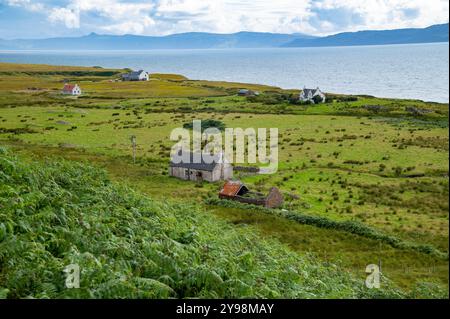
x: 269, y: 98
x: 207, y: 124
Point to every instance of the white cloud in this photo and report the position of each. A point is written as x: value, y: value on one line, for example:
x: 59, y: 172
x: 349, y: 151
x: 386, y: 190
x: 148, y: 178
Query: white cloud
x: 70, y: 17
x: 114, y: 9
x: 121, y: 17
x: 35, y: 7
x: 390, y: 14
x: 130, y: 27
x: 158, y: 17
x: 225, y: 16
x: 305, y: 16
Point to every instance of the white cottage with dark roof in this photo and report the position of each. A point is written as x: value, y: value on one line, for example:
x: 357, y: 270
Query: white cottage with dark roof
x: 140, y: 75
x: 218, y: 169
x: 312, y: 95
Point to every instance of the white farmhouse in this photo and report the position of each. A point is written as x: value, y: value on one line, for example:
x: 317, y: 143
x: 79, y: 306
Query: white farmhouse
x: 312, y: 95
x: 140, y: 75
x: 71, y: 89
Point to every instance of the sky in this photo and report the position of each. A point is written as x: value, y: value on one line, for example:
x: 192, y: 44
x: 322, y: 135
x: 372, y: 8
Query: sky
x: 51, y: 18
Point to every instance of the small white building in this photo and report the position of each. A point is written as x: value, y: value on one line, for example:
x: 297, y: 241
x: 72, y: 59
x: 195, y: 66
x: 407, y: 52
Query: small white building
x: 140, y: 75
x: 312, y: 95
x: 72, y: 89
x: 245, y: 92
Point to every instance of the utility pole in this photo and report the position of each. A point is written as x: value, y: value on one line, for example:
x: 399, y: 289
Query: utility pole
x: 379, y: 261
x: 133, y: 142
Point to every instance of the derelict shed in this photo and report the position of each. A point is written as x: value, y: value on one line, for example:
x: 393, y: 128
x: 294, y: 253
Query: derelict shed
x: 232, y: 189
x: 237, y: 191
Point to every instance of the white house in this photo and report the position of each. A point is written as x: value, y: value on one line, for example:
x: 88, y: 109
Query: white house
x: 140, y: 75
x: 312, y: 95
x: 71, y: 89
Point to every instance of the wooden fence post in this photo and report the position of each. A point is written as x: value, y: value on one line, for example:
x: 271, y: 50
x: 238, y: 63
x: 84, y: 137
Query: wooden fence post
x: 133, y: 142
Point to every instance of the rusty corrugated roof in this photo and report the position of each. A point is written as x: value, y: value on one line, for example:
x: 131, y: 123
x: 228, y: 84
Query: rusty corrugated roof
x: 231, y: 188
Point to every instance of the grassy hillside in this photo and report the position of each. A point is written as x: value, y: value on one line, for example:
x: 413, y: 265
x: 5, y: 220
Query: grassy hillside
x: 127, y: 245
x: 357, y: 160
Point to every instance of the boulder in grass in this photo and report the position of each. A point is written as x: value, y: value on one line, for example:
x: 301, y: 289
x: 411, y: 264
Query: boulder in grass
x: 67, y: 145
x: 62, y: 123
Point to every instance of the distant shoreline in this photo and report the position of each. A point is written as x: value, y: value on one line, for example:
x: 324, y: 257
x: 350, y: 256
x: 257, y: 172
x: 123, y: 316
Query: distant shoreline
x: 410, y: 71
x: 223, y: 49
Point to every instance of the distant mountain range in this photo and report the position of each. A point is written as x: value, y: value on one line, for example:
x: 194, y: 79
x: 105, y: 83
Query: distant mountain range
x: 192, y: 40
x: 435, y: 33
x: 199, y: 40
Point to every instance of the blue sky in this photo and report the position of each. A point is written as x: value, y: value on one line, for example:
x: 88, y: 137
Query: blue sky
x: 51, y: 18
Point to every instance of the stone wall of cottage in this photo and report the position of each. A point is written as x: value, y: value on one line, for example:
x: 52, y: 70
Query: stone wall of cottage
x: 220, y: 172
x: 193, y: 174
x: 274, y: 198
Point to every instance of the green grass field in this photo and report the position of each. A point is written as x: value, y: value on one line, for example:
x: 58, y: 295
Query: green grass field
x: 379, y: 162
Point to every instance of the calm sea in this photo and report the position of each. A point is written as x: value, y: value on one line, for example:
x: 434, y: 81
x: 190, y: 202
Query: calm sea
x: 415, y: 71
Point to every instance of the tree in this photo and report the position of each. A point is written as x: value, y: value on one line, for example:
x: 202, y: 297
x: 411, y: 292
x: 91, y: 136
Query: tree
x: 317, y: 99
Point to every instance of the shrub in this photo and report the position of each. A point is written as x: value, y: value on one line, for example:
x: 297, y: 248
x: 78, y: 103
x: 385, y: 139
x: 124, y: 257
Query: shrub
x: 207, y: 124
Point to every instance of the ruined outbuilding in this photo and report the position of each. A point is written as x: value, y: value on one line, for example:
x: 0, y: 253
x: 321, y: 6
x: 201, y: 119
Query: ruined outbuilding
x: 236, y: 190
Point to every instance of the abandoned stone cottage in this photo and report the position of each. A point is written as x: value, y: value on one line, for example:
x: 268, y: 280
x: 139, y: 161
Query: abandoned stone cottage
x: 218, y: 169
